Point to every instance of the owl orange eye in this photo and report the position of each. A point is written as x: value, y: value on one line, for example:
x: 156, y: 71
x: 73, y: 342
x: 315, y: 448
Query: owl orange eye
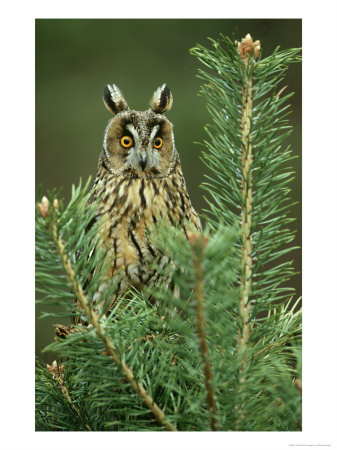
x: 126, y: 141
x: 157, y: 143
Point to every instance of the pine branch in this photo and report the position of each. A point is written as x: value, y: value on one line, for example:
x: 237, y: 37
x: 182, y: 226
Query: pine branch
x: 57, y: 373
x: 93, y: 319
x: 246, y: 209
x: 198, y: 242
x: 249, y: 185
x: 246, y: 215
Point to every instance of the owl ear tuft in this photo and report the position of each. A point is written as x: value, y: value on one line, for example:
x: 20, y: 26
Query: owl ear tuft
x: 114, y: 100
x: 162, y: 99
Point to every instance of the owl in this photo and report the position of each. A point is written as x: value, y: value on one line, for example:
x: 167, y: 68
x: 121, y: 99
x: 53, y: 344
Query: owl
x: 139, y: 183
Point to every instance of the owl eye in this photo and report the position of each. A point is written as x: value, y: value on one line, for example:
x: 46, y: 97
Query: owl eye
x: 157, y: 143
x: 126, y: 141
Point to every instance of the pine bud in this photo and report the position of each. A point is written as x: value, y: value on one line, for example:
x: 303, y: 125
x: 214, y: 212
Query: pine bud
x: 247, y: 45
x: 196, y: 238
x: 43, y: 207
x: 56, y: 204
x: 56, y: 370
x: 53, y: 368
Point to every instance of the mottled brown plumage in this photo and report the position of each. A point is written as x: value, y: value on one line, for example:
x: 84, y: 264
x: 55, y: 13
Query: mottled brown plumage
x: 139, y: 182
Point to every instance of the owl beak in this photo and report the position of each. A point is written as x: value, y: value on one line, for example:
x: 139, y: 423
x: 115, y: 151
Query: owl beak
x: 143, y: 161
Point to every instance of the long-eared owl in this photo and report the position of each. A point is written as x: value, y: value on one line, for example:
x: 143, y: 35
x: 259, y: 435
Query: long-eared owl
x: 139, y: 182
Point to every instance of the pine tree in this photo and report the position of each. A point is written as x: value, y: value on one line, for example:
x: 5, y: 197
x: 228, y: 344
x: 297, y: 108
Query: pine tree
x: 225, y: 355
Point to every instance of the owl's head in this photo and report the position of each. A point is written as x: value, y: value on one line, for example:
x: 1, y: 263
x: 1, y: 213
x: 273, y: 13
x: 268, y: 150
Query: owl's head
x: 139, y: 143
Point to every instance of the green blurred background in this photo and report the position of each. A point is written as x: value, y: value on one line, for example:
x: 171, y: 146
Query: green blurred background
x: 76, y: 58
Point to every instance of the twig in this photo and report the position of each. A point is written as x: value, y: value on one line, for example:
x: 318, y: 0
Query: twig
x: 198, y: 243
x: 246, y: 216
x: 59, y: 377
x: 93, y: 318
x: 245, y: 48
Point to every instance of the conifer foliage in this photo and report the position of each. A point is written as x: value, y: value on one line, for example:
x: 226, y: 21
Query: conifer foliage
x: 224, y: 354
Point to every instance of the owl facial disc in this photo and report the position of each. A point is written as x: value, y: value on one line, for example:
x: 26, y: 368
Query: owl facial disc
x: 139, y: 143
